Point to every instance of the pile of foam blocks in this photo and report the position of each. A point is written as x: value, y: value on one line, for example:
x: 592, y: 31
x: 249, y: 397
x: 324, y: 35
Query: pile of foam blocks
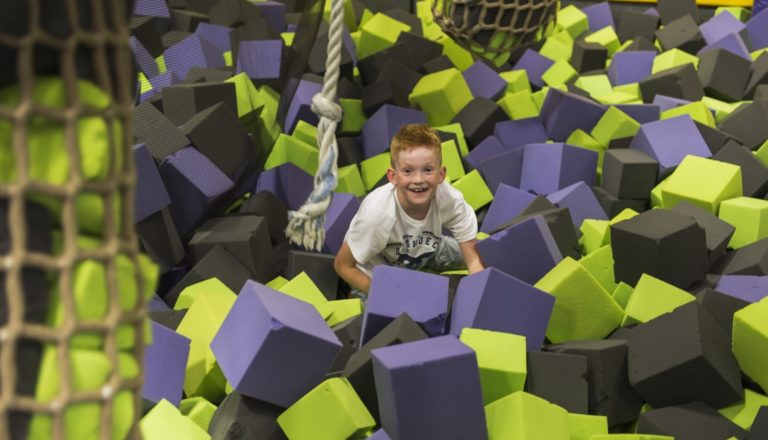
x: 618, y: 168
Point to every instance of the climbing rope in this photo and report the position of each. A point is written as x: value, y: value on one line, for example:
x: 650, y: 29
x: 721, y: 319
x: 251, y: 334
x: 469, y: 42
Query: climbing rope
x: 305, y: 225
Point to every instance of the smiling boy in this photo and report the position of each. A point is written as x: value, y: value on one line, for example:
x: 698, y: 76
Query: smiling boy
x: 401, y: 223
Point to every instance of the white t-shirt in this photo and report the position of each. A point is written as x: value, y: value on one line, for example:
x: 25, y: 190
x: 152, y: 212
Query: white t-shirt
x: 382, y: 233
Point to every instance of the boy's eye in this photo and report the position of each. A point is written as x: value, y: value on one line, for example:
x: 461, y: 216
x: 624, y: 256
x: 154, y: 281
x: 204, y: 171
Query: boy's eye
x: 407, y: 172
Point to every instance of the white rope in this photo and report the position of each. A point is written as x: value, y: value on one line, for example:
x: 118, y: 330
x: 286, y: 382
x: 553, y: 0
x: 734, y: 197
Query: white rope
x: 305, y: 225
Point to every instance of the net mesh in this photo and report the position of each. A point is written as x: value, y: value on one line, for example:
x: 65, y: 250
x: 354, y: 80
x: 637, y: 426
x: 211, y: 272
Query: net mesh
x: 495, y: 27
x: 71, y: 319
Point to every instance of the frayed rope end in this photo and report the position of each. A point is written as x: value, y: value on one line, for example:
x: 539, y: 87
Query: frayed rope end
x: 306, y: 231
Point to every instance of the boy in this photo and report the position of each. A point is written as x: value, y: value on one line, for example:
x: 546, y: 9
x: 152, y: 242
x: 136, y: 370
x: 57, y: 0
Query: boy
x: 401, y: 223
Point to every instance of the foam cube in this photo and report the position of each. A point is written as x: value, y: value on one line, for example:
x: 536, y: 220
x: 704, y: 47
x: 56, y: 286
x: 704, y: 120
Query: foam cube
x: 723, y: 74
x: 630, y: 67
x: 441, y: 95
x: 501, y: 359
x: 198, y: 410
x: 583, y: 308
x: 517, y: 133
x: 246, y: 416
x: 523, y: 415
x: 299, y: 108
x: 702, y: 182
x: 750, y: 338
x: 443, y: 374
x: 678, y: 82
x: 629, y: 173
x: 756, y: 30
x: 634, y: 24
x: 503, y: 168
x: 381, y: 127
x: 292, y: 349
x: 166, y: 421
x: 588, y: 57
x: 682, y: 33
x: 747, y: 288
x: 478, y: 119
x: 484, y: 82
x: 288, y: 182
x: 754, y: 174
x: 534, y: 65
x: 584, y: 427
x: 719, y: 26
x: 378, y: 33
x: 551, y: 167
x: 564, y: 112
x: 669, y: 141
x: 748, y: 216
x: 684, y: 348
x: 689, y: 420
x: 652, y: 298
x: 580, y: 201
x: 533, y: 254
x: 397, y: 290
x: 559, y: 378
x: 493, y: 300
x: 329, y: 410
x: 508, y: 202
x: 192, y: 51
x: 151, y: 195
x: 165, y: 360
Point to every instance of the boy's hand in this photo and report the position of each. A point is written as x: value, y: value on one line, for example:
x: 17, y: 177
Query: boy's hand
x: 471, y: 257
x: 346, y: 267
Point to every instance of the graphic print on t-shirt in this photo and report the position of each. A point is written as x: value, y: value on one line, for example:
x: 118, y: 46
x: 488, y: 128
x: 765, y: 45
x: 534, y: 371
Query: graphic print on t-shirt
x: 412, y: 252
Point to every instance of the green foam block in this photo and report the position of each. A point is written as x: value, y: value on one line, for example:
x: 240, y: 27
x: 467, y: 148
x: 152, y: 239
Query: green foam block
x: 595, y: 85
x: 441, y: 95
x: 452, y: 161
x: 584, y: 426
x: 522, y: 415
x: 750, y: 218
x: 305, y: 132
x: 750, y: 341
x: 353, y: 118
x: 605, y: 37
x: 459, y: 132
x: 165, y: 421
x: 198, y: 410
x: 621, y: 294
x: 378, y: 33
x: 743, y: 413
x: 294, y: 150
x: 614, y: 124
x: 517, y: 80
x: 344, y: 309
x: 573, y: 20
x: 302, y: 287
x: 330, y: 411
x: 559, y: 73
x: 597, y: 233
x: 374, y: 168
x: 474, y: 189
x: 557, y: 48
x: 502, y: 361
x: 600, y: 265
x: 673, y: 58
x: 651, y: 298
x: 702, y: 182
x: 631, y: 437
x: 698, y: 111
x: 583, y: 308
x: 89, y: 371
x: 519, y: 105
x: 244, y: 89
x: 350, y: 181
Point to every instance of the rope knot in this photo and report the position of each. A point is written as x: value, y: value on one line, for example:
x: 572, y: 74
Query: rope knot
x: 326, y: 108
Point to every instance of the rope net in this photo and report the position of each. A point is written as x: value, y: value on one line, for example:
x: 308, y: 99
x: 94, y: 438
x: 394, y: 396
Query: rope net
x: 72, y: 283
x: 492, y: 28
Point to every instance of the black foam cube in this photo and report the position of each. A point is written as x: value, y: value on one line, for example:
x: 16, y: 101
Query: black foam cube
x: 418, y: 47
x: 751, y: 259
x: 157, y: 131
x: 405, y: 77
x: 559, y: 378
x: 246, y: 237
x: 383, y: 92
x: 758, y: 75
x: 318, y: 55
x: 160, y: 239
x: 662, y: 243
x: 677, y: 82
x: 684, y: 356
x: 216, y: 263
x: 748, y: 124
x: 436, y: 64
x: 759, y: 428
x: 610, y: 393
x: 254, y: 29
x: 754, y: 175
x: 635, y: 24
x: 187, y: 20
x: 168, y: 318
x: 174, y: 37
x: 217, y: 133
x: 714, y: 138
x: 319, y: 268
x: 723, y: 74
x: 718, y: 232
x: 721, y: 307
x: 641, y: 43
x: 613, y: 205
x: 241, y: 417
x: 350, y: 150
x: 671, y: 10
x: 371, y: 66
x: 148, y: 34
x: 694, y: 420
x: 588, y: 56
x: 181, y: 102
x: 478, y: 119
x: 198, y: 75
x: 761, y: 92
x: 349, y: 333
x: 682, y: 33
x: 359, y: 369
x: 266, y: 204
x: 629, y: 173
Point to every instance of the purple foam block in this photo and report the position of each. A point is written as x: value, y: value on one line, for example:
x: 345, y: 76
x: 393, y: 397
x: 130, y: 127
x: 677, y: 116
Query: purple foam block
x: 381, y: 127
x: 493, y: 300
x: 749, y: 288
x: 669, y: 141
x: 732, y: 43
x: 273, y: 347
x: 484, y: 82
x: 163, y: 80
x: 151, y: 8
x: 380, y: 434
x: 262, y: 60
x: 630, y: 67
x: 580, y: 201
x: 599, y: 16
x: 144, y: 60
x: 156, y: 304
x: 534, y: 65
x: 300, y: 107
x: 564, y: 112
x: 756, y: 28
x: 526, y: 250
x: 508, y: 202
x: 668, y: 102
x: 642, y: 113
x: 651, y: 11
x: 337, y: 219
x: 165, y: 364
x: 551, y: 167
x: 151, y: 195
x: 503, y: 168
x: 719, y: 26
x: 215, y: 34
x: 394, y: 291
x: 288, y: 182
x: 193, y: 183
x: 274, y: 13
x: 429, y: 389
x: 489, y: 147
x: 193, y: 51
x: 517, y: 133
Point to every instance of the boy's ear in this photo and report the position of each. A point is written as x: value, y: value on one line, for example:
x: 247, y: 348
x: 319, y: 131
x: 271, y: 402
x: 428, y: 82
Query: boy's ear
x: 443, y: 172
x: 390, y: 174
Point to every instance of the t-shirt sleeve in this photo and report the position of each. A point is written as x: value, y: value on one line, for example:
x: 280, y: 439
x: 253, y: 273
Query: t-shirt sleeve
x: 367, y: 236
x: 458, y: 217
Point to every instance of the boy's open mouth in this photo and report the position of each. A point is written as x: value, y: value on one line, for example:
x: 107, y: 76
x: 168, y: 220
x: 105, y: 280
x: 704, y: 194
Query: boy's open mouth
x: 418, y: 190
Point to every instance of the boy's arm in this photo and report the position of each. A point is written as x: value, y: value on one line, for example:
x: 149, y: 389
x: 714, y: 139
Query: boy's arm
x: 471, y: 257
x: 346, y: 266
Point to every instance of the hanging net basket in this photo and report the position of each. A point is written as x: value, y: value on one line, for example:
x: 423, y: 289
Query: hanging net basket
x: 493, y: 28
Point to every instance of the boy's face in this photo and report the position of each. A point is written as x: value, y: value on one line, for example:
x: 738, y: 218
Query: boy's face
x: 417, y: 173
